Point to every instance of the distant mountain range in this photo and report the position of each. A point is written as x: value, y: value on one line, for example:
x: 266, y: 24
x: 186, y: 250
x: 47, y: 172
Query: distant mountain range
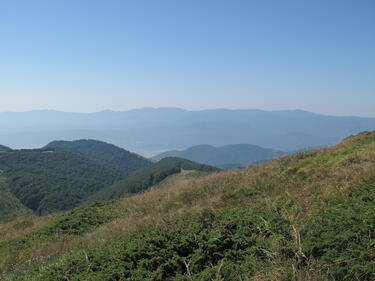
x: 227, y: 156
x: 150, y: 130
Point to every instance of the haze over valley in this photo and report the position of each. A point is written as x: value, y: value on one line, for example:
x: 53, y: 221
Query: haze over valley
x: 150, y: 131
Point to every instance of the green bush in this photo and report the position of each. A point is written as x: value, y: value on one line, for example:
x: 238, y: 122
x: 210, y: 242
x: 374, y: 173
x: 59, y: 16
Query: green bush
x: 71, y: 223
x: 342, y: 235
x: 228, y: 243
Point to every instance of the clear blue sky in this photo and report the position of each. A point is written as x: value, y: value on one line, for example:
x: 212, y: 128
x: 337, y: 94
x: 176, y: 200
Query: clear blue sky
x: 87, y: 55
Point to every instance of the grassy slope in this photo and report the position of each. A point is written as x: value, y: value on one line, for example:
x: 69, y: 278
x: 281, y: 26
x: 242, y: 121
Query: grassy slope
x: 309, y: 216
x: 180, y: 178
x: 106, y: 154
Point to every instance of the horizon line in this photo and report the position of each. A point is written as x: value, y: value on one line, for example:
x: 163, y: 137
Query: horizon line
x: 184, y: 109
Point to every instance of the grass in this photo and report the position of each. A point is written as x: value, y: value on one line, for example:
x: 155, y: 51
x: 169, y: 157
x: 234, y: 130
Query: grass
x: 180, y: 178
x: 324, y: 200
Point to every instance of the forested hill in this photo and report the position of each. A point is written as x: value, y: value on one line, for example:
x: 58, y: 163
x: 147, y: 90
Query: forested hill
x: 144, y: 179
x: 10, y: 205
x: 107, y: 154
x: 49, y: 180
x: 4, y: 148
x: 228, y: 155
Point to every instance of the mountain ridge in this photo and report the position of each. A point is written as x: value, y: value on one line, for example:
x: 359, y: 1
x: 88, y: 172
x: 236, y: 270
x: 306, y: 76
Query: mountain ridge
x: 179, y: 109
x: 149, y: 130
x: 231, y: 154
x: 106, y: 154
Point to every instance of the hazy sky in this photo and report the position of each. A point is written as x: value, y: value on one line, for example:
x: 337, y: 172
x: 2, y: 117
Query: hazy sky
x: 87, y: 55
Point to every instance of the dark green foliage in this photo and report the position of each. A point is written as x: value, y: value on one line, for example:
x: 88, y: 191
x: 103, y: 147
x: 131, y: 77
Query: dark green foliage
x: 342, y: 235
x: 144, y: 179
x: 55, y: 179
x: 10, y: 206
x: 82, y: 219
x: 107, y: 154
x: 229, y: 244
x: 71, y: 223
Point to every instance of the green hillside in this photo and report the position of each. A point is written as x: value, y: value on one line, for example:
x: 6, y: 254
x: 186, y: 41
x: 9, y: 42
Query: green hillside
x: 227, y: 156
x: 148, y: 177
x: 180, y: 178
x: 107, y: 154
x: 308, y: 216
x: 46, y: 181
x: 10, y: 206
x: 4, y: 148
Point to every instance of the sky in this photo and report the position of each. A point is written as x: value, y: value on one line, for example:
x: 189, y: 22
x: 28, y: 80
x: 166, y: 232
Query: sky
x: 93, y: 55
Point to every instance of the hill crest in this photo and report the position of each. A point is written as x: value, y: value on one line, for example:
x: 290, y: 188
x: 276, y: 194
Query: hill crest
x: 106, y: 154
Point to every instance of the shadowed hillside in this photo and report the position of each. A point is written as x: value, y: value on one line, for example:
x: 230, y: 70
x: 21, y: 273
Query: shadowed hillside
x: 308, y: 216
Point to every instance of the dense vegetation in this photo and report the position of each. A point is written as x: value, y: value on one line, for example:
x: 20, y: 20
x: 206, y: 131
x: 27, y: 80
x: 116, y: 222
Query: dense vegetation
x: 46, y: 181
x: 235, y: 244
x: 308, y: 216
x: 341, y: 237
x: 148, y: 177
x: 226, y: 157
x: 10, y: 206
x: 107, y: 154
